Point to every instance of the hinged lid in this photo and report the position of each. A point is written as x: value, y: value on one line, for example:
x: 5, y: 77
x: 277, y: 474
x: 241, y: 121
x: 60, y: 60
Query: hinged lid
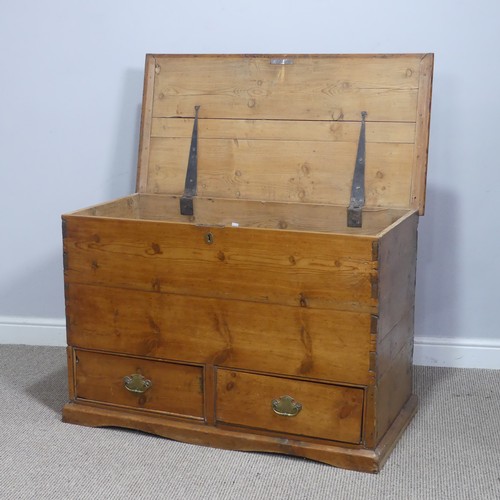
x: 286, y: 127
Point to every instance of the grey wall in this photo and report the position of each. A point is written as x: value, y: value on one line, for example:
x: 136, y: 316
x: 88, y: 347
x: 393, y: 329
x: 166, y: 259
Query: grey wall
x: 70, y: 95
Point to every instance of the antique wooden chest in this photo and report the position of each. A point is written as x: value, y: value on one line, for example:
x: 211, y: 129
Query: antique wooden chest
x: 257, y: 292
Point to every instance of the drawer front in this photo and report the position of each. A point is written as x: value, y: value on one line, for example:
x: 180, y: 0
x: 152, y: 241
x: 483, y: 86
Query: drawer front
x: 290, y: 406
x: 140, y: 384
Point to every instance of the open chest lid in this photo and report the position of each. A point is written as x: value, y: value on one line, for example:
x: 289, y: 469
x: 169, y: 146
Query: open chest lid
x: 319, y: 129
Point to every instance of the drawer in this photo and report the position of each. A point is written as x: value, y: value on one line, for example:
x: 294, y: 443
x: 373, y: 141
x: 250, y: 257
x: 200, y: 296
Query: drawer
x: 290, y: 406
x: 140, y: 384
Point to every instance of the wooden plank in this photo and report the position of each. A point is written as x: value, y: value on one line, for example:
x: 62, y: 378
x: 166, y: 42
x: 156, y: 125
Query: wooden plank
x: 302, y: 172
x: 146, y: 116
x: 397, y: 254
x: 390, y: 346
x: 297, y: 341
x: 209, y: 386
x: 422, y: 133
x: 349, y: 457
x: 175, y: 388
x: 125, y: 207
x: 320, y: 270
x: 246, y: 213
x: 391, y: 437
x: 370, y: 417
x: 71, y: 372
x: 289, y: 291
x: 284, y: 130
x: 394, y: 390
x: 271, y: 215
x: 328, y: 411
x: 328, y: 94
x: 312, y: 88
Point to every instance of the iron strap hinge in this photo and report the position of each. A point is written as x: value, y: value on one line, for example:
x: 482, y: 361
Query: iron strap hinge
x: 190, y: 186
x: 355, y: 209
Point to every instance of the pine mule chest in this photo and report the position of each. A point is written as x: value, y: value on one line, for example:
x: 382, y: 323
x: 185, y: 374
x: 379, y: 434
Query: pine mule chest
x: 257, y: 292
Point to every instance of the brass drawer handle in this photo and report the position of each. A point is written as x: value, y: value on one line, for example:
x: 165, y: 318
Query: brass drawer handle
x: 286, y: 406
x: 136, y: 383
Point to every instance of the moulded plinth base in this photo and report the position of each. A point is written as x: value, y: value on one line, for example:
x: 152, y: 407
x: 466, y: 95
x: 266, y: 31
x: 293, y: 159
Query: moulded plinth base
x: 359, y: 459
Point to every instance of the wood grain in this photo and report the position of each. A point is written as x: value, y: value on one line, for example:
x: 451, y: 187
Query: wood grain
x: 397, y: 258
x: 328, y: 411
x: 248, y: 125
x: 284, y: 130
x: 422, y: 133
x: 247, y: 213
x: 191, y: 432
x: 209, y: 393
x: 71, y: 372
x: 299, y: 341
x: 126, y: 207
x: 146, y: 117
x: 302, y: 172
x: 370, y: 438
x: 390, y: 346
x: 360, y: 459
x: 264, y: 291
x: 313, y: 88
x: 175, y: 389
x: 322, y: 270
x: 394, y: 389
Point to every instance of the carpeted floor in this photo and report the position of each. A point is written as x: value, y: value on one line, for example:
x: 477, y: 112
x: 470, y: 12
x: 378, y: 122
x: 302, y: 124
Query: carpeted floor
x: 450, y: 451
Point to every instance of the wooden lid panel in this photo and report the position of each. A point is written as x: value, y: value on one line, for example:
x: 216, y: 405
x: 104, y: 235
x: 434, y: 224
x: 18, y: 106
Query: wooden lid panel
x: 288, y: 132
x: 272, y: 170
x: 311, y: 88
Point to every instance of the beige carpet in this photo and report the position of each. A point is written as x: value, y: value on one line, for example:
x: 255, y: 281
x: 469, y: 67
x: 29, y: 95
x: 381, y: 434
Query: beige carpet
x: 450, y: 451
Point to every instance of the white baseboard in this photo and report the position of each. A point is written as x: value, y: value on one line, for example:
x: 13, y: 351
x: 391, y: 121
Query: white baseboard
x: 457, y: 353
x: 429, y: 351
x: 32, y: 331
